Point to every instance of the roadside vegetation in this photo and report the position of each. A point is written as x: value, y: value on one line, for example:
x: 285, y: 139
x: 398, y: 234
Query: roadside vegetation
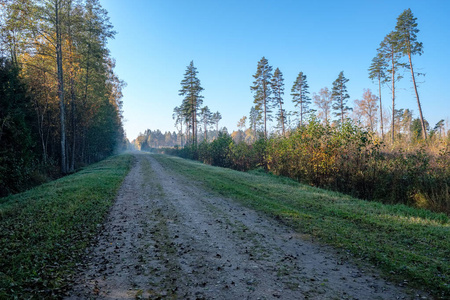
x: 347, y: 159
x: 409, y: 245
x: 45, y: 231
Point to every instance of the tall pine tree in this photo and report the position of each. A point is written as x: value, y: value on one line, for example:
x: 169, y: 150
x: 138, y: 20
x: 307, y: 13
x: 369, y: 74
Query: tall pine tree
x: 377, y: 71
x: 300, y: 96
x: 389, y: 52
x: 191, y: 89
x: 262, y: 90
x: 278, y: 92
x: 340, y: 96
x: 408, y: 45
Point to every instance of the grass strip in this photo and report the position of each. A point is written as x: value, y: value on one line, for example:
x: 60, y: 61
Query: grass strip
x: 409, y: 245
x: 44, y: 231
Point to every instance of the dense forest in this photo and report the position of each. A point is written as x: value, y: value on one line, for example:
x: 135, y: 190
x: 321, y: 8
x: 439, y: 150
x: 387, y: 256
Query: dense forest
x: 360, y: 149
x: 60, y: 100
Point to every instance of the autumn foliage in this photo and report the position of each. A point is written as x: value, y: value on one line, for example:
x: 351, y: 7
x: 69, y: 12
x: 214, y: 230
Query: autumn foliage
x: 345, y: 158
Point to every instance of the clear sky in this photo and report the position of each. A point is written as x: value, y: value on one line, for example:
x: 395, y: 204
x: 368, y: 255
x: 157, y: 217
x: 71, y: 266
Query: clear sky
x: 157, y: 39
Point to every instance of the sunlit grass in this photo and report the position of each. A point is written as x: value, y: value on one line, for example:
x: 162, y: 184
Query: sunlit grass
x: 44, y: 231
x: 404, y: 242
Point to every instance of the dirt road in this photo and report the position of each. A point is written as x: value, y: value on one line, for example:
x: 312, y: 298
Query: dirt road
x: 168, y: 238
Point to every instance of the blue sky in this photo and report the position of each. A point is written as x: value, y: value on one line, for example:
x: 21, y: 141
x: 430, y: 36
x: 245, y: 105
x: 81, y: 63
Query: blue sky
x: 157, y: 39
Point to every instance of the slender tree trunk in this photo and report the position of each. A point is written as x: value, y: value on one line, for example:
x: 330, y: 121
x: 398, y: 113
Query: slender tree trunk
x: 381, y: 107
x: 265, y: 110
x: 393, y: 100
x: 60, y: 87
x: 301, y: 107
x: 342, y: 109
x: 72, y: 102
x: 72, y: 94
x: 181, y: 134
x: 424, y: 130
x: 282, y: 119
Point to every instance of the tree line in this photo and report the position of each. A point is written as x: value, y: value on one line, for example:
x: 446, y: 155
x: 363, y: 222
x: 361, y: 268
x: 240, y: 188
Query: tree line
x: 394, y: 55
x: 61, y: 104
x: 347, y: 153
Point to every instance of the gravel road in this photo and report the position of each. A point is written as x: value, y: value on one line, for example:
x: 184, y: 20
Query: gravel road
x: 169, y: 238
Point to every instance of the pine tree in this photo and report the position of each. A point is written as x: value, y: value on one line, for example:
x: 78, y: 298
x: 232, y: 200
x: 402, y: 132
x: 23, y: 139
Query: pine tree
x: 300, y: 96
x: 278, y: 92
x: 408, y: 45
x: 389, y: 52
x: 262, y: 90
x: 339, y: 95
x: 191, y: 89
x: 377, y: 71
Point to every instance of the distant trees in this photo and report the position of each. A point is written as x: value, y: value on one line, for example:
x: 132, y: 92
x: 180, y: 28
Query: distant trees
x: 262, y: 90
x: 300, y: 96
x: 339, y: 95
x: 179, y: 118
x: 323, y: 103
x: 155, y: 139
x: 366, y: 109
x: 206, y: 119
x: 216, y: 117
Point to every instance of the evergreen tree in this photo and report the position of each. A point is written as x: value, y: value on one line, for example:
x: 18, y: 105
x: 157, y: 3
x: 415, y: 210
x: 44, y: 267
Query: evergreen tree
x: 262, y: 90
x: 339, y: 95
x: 300, y: 96
x: 408, y: 45
x: 377, y: 71
x: 278, y: 92
x: 389, y: 52
x: 16, y: 138
x: 191, y: 89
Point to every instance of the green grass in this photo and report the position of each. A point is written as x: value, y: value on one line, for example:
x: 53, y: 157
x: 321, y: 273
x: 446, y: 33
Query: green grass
x: 44, y: 231
x: 403, y: 242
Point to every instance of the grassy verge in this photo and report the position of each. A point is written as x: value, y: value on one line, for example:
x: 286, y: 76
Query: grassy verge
x: 409, y: 245
x: 44, y: 231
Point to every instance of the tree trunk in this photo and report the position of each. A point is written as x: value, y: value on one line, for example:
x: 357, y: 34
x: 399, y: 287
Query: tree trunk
x: 393, y: 99
x: 265, y: 109
x: 424, y: 130
x: 381, y: 108
x: 60, y: 87
x: 72, y: 95
x: 282, y: 119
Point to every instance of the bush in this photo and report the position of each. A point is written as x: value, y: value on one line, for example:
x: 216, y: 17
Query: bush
x: 344, y: 158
